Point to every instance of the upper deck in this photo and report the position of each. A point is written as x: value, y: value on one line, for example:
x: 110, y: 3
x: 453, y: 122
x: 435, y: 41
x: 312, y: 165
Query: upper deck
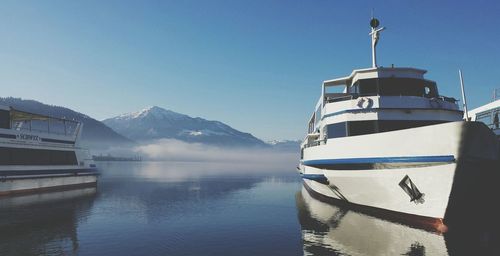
x: 381, y: 81
x: 23, y: 128
x: 382, y: 94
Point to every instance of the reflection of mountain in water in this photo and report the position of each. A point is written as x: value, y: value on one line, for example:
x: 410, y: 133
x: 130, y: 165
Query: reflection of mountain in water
x: 330, y: 230
x: 43, y: 223
x: 162, y: 189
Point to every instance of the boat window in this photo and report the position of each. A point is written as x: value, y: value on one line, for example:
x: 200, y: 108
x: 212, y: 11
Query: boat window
x: 355, y: 128
x: 337, y: 130
x: 367, y: 87
x: 336, y: 93
x: 4, y: 119
x: 485, y: 118
x: 490, y: 118
x: 57, y: 126
x: 362, y: 127
x: 396, y: 87
x: 39, y: 125
x: 317, y: 115
x: 310, y: 128
x: 496, y: 121
x: 26, y: 156
x: 24, y: 121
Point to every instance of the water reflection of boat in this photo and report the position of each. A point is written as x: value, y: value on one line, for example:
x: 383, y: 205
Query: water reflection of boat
x: 331, y: 230
x: 44, y: 223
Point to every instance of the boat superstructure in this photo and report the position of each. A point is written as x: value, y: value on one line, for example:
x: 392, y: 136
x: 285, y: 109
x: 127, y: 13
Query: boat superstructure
x: 39, y: 152
x: 383, y: 138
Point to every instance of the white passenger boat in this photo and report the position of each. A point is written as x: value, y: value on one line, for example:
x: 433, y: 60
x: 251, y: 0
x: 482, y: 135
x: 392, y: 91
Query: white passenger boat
x: 382, y: 140
x: 40, y: 153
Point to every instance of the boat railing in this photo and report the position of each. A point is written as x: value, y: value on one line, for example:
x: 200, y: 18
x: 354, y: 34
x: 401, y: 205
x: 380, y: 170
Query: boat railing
x: 329, y: 98
x: 490, y: 118
x: 448, y: 99
x: 313, y: 144
x: 337, y: 97
x: 311, y: 140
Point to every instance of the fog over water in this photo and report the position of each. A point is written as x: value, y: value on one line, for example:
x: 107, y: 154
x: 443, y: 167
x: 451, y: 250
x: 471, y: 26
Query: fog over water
x: 175, y: 150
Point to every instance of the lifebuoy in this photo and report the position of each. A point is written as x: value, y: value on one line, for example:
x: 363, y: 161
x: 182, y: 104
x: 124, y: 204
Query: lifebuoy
x: 364, y: 102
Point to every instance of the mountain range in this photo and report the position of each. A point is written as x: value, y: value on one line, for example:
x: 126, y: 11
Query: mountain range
x: 147, y: 126
x: 155, y: 123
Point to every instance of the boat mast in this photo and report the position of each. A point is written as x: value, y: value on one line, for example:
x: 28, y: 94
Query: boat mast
x: 375, y: 35
x: 463, y: 95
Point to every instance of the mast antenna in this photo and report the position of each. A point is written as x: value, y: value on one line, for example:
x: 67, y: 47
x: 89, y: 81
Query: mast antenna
x: 463, y: 95
x: 374, y: 23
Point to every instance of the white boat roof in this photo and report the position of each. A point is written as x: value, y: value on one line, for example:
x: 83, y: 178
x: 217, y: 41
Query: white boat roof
x: 489, y: 106
x: 378, y: 72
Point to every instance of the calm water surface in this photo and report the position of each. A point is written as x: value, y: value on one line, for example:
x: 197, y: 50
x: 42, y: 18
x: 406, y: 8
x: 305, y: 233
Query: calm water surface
x: 165, y: 208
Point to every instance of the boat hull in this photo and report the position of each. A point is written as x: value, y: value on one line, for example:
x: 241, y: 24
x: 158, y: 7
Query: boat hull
x: 433, y: 168
x: 324, y: 193
x: 35, y: 184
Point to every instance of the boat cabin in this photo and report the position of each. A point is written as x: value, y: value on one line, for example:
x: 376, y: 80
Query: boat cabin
x: 377, y: 100
x: 17, y: 120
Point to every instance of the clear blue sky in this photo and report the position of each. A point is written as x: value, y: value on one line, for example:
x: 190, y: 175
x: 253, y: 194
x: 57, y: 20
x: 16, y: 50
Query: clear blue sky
x: 256, y: 65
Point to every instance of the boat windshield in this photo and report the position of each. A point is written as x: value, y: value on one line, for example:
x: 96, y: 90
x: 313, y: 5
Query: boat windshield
x: 23, y: 121
x: 395, y: 87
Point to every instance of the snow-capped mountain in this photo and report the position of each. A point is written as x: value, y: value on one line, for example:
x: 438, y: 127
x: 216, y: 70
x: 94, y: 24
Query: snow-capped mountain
x: 157, y: 123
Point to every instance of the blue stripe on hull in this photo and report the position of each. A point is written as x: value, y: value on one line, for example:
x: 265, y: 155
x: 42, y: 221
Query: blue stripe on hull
x: 313, y: 176
x: 377, y: 160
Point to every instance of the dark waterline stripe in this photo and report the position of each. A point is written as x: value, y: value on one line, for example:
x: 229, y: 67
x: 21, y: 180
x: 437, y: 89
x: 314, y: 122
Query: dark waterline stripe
x: 45, y: 172
x: 8, y: 136
x: 47, y: 189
